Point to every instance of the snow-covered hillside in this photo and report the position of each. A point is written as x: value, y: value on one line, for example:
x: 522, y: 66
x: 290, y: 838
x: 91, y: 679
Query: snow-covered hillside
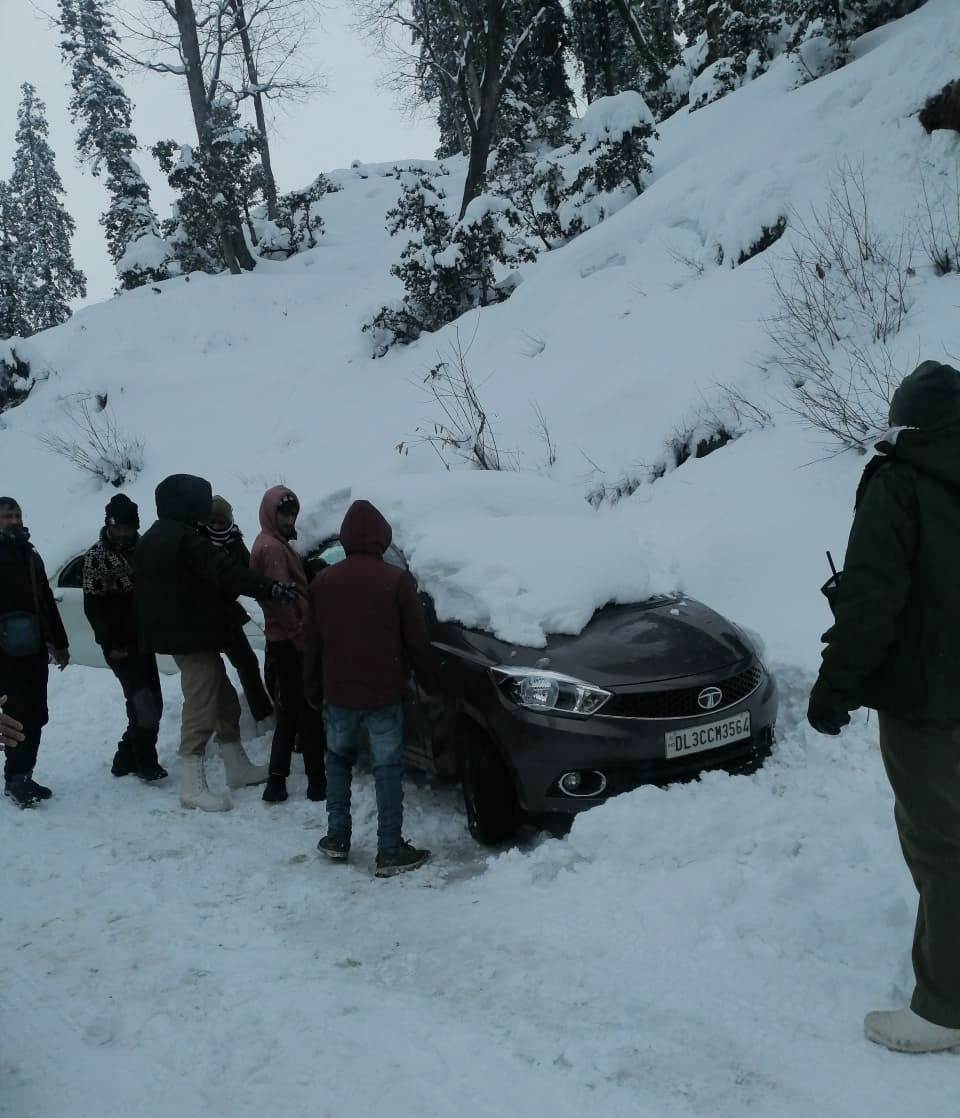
x: 705, y: 950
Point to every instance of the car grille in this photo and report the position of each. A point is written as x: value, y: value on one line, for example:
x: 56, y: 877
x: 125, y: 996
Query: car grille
x: 682, y: 702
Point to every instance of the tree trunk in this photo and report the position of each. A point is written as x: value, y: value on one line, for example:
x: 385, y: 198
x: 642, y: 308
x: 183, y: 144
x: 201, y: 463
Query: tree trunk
x: 483, y: 131
x: 269, y: 182
x: 233, y: 247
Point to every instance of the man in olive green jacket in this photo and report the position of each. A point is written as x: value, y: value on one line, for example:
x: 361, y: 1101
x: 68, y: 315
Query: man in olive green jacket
x: 895, y: 647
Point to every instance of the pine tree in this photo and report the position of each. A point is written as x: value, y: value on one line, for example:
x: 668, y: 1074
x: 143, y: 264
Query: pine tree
x: 11, y: 304
x: 652, y: 26
x: 603, y: 48
x: 735, y: 38
x: 46, y: 274
x: 105, y: 140
x: 539, y: 83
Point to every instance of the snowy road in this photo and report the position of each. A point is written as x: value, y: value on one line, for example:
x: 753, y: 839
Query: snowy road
x: 706, y: 950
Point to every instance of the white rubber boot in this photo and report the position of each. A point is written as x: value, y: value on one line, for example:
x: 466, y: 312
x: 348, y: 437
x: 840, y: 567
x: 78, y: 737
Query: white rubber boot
x: 241, y: 772
x: 902, y: 1030
x: 193, y: 787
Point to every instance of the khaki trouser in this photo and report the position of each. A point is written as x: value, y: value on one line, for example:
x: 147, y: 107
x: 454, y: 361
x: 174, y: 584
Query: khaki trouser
x: 923, y: 764
x: 210, y: 704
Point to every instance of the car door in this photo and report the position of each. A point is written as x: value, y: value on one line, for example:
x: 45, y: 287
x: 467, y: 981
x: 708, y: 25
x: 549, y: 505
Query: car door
x: 68, y: 594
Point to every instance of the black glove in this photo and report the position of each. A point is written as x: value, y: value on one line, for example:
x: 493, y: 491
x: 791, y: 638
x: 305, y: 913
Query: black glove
x: 285, y: 592
x: 826, y: 718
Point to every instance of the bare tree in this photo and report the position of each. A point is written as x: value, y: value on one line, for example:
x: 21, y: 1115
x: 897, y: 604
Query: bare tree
x: 243, y: 49
x: 472, y: 47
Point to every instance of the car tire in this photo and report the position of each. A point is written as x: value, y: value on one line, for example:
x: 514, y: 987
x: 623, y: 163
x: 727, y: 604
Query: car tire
x: 493, y: 810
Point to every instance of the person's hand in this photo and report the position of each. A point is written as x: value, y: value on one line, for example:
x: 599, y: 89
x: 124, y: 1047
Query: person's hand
x: 11, y: 731
x: 61, y: 657
x: 119, y: 654
x: 826, y: 718
x: 285, y: 592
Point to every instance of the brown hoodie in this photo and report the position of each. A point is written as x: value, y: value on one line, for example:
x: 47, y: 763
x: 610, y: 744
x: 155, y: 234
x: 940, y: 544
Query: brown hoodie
x: 273, y: 557
x: 366, y: 628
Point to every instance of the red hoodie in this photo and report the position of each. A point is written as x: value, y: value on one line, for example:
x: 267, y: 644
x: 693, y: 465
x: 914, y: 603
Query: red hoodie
x: 273, y: 557
x: 366, y: 628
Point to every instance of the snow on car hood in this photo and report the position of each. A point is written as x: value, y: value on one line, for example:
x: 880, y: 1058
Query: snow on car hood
x: 516, y: 555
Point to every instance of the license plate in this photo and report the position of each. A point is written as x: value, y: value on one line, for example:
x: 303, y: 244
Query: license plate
x: 714, y: 735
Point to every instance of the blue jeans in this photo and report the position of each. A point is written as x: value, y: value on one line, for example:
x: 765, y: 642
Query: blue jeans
x: 385, y: 730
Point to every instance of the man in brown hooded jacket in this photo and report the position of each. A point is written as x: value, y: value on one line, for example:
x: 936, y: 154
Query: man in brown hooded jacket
x: 274, y: 558
x: 365, y: 631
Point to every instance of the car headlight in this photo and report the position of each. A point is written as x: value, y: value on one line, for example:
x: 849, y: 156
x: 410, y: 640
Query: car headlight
x: 546, y: 691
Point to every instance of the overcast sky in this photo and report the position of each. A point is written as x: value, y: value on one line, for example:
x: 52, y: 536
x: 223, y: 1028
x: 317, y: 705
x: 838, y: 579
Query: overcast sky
x: 355, y: 119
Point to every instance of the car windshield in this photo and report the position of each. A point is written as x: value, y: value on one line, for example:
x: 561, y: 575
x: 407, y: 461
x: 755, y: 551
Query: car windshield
x: 332, y: 552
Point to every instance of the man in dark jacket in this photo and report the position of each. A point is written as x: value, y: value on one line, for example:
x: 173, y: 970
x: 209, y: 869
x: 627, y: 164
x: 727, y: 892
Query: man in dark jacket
x: 894, y: 647
x: 30, y: 627
x: 184, y: 588
x: 108, y: 602
x: 222, y: 531
x: 365, y: 631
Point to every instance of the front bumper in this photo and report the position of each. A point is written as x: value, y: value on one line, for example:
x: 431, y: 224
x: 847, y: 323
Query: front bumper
x: 628, y: 752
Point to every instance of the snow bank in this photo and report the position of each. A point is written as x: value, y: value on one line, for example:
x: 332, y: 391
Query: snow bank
x: 517, y: 555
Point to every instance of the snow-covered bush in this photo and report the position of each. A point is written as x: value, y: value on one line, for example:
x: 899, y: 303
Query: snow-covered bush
x: 446, y: 267
x: 823, y: 30
x: 939, y: 225
x: 560, y: 193
x: 99, y: 447
x: 16, y: 377
x: 738, y: 39
x: 842, y: 295
x: 942, y: 110
x: 297, y: 225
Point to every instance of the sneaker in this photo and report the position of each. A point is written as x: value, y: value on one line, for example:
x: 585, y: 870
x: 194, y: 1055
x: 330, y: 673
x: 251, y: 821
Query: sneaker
x: 317, y: 790
x: 41, y: 791
x: 275, y: 791
x: 337, y: 849
x: 19, y: 790
x: 152, y: 771
x: 123, y: 764
x: 401, y: 860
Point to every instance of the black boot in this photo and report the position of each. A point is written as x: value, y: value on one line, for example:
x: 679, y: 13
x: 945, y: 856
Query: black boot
x: 41, y: 791
x: 146, y: 765
x: 275, y: 791
x: 317, y: 789
x: 123, y: 763
x: 151, y: 771
x: 18, y: 789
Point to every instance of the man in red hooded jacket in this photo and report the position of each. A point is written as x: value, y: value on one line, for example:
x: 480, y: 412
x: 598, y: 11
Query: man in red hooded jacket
x: 365, y: 632
x: 274, y: 558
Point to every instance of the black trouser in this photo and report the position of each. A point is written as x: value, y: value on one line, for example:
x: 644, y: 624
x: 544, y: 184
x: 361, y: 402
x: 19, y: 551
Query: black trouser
x: 23, y: 679
x: 140, y: 681
x: 244, y: 659
x: 923, y: 764
x: 295, y: 717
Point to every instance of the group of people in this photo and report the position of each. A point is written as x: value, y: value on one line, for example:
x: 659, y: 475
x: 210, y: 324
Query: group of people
x: 344, y: 640
x: 340, y: 643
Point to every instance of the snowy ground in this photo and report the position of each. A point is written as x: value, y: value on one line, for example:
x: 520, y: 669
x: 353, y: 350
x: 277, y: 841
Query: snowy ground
x: 707, y: 950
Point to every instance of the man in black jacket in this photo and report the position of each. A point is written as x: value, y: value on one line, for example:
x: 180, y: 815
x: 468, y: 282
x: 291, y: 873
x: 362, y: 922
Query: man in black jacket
x: 184, y: 588
x: 108, y: 602
x: 30, y: 627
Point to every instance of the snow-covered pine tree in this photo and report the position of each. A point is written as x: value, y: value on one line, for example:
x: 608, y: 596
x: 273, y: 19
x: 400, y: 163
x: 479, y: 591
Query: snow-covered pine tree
x: 47, y: 277
x: 536, y: 106
x: 652, y: 25
x: 11, y: 310
x: 214, y: 183
x: 733, y: 37
x: 105, y: 140
x: 838, y: 22
x: 447, y: 268
x: 435, y: 35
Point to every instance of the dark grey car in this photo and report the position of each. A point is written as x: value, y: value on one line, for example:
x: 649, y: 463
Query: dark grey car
x: 651, y: 693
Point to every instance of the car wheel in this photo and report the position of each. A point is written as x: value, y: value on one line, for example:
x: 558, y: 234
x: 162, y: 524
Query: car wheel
x: 493, y: 811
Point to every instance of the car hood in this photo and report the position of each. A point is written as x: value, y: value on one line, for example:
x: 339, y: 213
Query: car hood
x: 663, y: 639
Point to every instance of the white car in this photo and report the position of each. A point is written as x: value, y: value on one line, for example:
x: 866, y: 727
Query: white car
x: 67, y: 585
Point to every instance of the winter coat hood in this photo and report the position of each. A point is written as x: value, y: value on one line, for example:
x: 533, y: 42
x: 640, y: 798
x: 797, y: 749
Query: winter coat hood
x: 185, y: 498
x: 268, y: 510
x: 928, y: 397
x: 365, y: 531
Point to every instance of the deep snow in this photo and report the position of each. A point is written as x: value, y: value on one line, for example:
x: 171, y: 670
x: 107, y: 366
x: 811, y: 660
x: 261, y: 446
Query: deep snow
x: 704, y: 950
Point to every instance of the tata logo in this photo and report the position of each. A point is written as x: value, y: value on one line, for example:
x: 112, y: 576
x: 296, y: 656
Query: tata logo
x: 710, y: 698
